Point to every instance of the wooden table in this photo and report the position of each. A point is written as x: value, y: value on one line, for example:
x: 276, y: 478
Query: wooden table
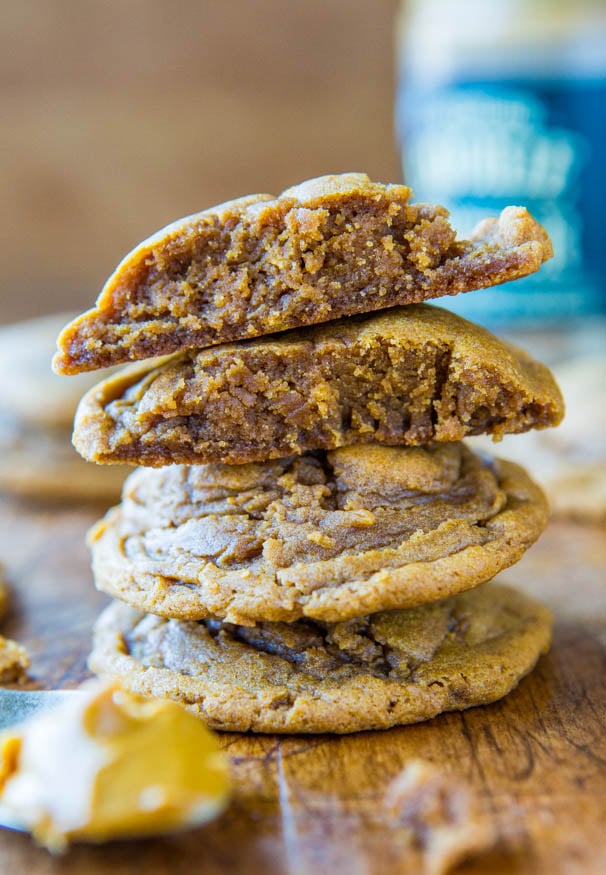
x: 314, y: 804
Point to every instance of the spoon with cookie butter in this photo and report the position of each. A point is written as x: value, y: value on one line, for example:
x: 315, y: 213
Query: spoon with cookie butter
x: 134, y: 768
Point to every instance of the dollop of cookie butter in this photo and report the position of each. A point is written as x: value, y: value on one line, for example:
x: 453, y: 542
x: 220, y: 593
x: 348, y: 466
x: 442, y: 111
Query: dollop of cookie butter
x: 111, y: 765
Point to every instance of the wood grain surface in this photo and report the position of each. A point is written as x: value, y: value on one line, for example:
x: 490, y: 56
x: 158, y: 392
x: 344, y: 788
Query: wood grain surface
x: 314, y: 804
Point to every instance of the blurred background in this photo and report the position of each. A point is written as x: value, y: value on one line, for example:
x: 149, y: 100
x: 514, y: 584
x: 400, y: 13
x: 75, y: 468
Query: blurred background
x: 505, y: 103
x: 120, y: 116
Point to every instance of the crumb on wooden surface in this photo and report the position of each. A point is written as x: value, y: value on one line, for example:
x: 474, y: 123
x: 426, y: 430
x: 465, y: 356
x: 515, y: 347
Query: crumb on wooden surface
x: 442, y: 815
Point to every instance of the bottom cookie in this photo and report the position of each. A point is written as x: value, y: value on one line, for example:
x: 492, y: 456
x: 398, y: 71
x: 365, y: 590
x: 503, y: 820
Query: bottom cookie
x: 374, y: 672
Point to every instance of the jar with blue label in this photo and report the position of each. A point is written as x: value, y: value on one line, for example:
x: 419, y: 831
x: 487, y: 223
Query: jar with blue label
x: 504, y: 102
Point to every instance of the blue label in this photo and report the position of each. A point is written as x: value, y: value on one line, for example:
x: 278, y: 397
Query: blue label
x: 479, y: 146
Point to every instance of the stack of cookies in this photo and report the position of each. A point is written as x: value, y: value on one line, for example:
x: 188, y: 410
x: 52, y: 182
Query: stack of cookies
x: 307, y: 545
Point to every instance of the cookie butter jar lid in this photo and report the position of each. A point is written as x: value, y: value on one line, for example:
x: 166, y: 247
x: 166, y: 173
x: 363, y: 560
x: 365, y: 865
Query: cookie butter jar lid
x: 504, y: 103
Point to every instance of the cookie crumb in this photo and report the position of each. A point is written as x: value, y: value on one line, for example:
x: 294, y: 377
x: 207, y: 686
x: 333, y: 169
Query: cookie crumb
x: 441, y: 813
x: 14, y: 660
x: 330, y: 247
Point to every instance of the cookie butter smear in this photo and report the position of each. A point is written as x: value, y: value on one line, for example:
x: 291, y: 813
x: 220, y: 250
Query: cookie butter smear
x: 111, y: 765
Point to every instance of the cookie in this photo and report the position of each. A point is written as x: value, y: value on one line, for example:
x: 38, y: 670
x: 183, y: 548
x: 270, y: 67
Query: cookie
x: 409, y: 375
x: 331, y: 535
x: 14, y: 661
x: 330, y: 247
x: 570, y: 463
x: 375, y: 672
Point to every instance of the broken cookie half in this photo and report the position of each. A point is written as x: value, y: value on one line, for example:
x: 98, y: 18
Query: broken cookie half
x: 408, y: 376
x: 329, y: 247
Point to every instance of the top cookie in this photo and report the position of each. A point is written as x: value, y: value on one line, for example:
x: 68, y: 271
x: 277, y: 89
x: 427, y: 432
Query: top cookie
x: 330, y: 247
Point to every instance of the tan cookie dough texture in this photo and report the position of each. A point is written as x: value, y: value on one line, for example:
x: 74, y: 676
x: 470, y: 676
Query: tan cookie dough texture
x: 330, y: 535
x: 371, y: 673
x: 330, y: 247
x: 409, y: 375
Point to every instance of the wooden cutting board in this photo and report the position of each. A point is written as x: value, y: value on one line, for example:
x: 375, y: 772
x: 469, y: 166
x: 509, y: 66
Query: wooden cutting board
x: 313, y: 804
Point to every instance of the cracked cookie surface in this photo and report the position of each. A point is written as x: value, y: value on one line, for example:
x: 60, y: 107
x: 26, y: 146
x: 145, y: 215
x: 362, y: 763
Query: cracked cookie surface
x: 330, y: 535
x: 329, y: 247
x: 374, y: 672
x: 407, y: 376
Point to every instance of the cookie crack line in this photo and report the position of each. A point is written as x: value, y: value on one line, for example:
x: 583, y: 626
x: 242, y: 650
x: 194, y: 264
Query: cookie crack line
x: 360, y: 629
x: 181, y: 289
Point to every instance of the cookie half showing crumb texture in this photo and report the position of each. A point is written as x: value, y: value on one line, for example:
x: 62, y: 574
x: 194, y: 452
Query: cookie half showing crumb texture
x: 375, y: 672
x: 330, y: 247
x: 330, y: 535
x: 408, y: 376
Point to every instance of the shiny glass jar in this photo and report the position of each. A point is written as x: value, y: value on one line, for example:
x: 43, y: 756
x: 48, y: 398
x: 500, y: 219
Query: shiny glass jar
x: 504, y: 102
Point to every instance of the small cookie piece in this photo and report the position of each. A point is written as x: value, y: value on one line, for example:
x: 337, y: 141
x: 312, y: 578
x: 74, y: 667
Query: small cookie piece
x: 330, y: 247
x: 14, y: 660
x: 375, y: 672
x: 409, y: 375
x: 440, y: 814
x: 327, y: 535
